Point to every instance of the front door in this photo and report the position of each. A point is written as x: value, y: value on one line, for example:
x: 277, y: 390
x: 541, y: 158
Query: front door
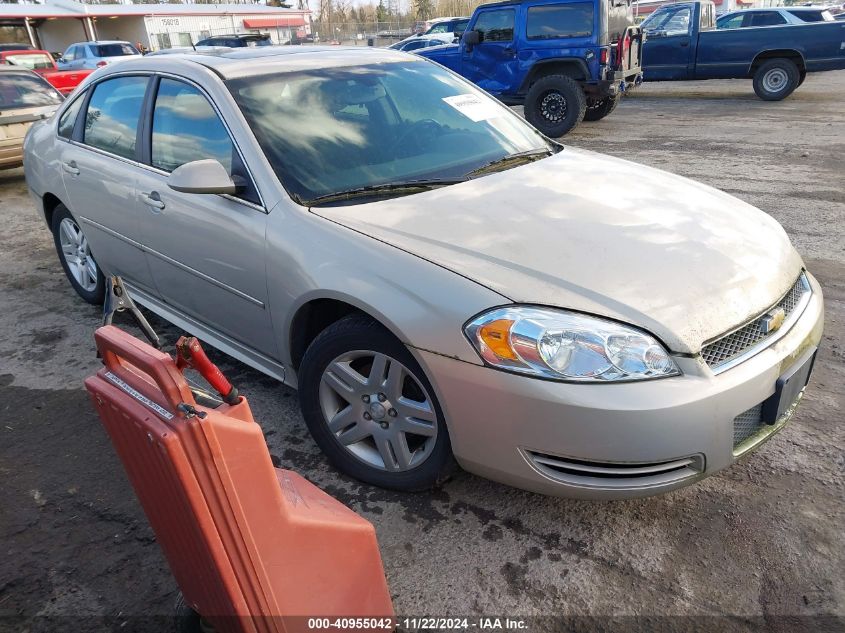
x: 492, y: 63
x: 206, y: 252
x: 98, y: 164
x: 667, y: 50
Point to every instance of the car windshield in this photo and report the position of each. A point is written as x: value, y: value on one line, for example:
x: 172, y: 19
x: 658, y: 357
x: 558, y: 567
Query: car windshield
x: 33, y: 61
x: 19, y: 90
x: 113, y: 50
x: 337, y: 129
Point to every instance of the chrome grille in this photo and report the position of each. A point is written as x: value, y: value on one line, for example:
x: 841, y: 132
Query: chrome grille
x: 738, y: 342
x: 616, y: 475
x: 748, y: 423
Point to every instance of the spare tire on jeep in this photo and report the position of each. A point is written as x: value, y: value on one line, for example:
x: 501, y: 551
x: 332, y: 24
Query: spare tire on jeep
x: 555, y: 104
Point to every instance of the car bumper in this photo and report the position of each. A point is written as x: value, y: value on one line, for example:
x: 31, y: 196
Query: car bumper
x: 612, y: 441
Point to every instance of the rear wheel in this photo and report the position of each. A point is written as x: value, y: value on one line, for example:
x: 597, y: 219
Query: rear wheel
x: 371, y: 409
x: 75, y: 255
x: 555, y: 105
x: 776, y: 79
x: 597, y: 109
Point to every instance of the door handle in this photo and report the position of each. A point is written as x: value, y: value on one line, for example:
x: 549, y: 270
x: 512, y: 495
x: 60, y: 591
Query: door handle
x: 153, y: 199
x: 71, y: 168
x: 509, y: 51
x: 684, y: 42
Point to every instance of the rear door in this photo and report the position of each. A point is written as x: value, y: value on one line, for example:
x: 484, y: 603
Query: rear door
x: 492, y: 63
x: 205, y: 251
x: 667, y: 52
x: 99, y: 167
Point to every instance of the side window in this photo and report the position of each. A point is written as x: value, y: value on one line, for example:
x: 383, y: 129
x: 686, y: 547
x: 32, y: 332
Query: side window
x: 412, y: 46
x: 556, y: 21
x: 443, y: 27
x: 678, y: 22
x: 82, y: 52
x: 186, y: 128
x: 111, y: 122
x: 733, y: 22
x: 68, y: 118
x: 495, y: 26
x: 766, y: 18
x: 70, y: 54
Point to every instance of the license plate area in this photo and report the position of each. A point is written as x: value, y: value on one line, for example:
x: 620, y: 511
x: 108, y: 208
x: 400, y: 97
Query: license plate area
x: 788, y: 386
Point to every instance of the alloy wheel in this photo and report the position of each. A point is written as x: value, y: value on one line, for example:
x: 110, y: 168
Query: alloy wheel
x: 553, y: 106
x: 77, y: 255
x: 378, y: 410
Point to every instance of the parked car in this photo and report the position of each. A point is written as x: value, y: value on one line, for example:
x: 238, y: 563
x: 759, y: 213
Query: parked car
x: 16, y: 46
x: 683, y: 44
x: 564, y: 60
x: 774, y: 16
x: 237, y: 40
x: 422, y: 27
x: 93, y: 55
x: 24, y: 98
x: 448, y: 27
x: 42, y: 63
x: 434, y: 275
x: 415, y: 43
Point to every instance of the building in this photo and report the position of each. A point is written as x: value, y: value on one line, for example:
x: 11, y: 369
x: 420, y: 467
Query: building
x: 57, y: 24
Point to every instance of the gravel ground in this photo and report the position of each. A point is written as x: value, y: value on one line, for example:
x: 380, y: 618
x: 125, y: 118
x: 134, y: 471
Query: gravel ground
x: 758, y: 547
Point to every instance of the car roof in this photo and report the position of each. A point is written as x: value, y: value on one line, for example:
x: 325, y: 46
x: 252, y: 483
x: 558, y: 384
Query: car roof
x: 230, y: 63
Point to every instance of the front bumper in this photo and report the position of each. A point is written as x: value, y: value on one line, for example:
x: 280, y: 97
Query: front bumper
x: 621, y: 440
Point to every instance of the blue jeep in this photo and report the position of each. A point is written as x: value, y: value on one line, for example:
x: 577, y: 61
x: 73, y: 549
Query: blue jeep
x: 564, y: 60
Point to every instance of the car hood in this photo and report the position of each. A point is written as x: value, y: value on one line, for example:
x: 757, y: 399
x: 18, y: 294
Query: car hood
x: 596, y: 234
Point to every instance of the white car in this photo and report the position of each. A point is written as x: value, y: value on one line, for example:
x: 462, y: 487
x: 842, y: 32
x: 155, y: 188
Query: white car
x: 95, y: 55
x: 417, y: 42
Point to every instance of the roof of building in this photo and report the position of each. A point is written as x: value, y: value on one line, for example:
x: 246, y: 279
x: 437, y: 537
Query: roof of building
x: 71, y: 9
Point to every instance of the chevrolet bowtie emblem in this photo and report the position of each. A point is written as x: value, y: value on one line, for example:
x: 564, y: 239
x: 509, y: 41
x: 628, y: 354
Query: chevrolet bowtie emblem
x: 772, y: 320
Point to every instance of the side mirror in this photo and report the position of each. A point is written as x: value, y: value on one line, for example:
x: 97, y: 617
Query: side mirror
x: 202, y: 176
x: 471, y: 38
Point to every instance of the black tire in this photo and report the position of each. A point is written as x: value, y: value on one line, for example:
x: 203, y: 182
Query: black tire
x: 350, y: 335
x: 185, y: 619
x: 93, y: 295
x: 776, y: 79
x: 597, y: 109
x: 555, y: 105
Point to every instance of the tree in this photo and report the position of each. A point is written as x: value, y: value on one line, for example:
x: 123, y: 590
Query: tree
x: 424, y: 9
x: 381, y: 12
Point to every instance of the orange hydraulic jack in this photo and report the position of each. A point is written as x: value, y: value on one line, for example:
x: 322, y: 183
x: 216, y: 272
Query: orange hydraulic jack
x: 253, y: 548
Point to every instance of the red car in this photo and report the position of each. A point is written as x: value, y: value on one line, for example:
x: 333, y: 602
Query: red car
x: 42, y: 63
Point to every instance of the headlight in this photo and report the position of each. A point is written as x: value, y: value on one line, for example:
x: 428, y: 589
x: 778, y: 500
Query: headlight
x: 567, y: 346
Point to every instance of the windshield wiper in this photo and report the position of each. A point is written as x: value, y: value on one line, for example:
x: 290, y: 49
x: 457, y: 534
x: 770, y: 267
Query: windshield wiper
x: 403, y: 188
x: 505, y: 162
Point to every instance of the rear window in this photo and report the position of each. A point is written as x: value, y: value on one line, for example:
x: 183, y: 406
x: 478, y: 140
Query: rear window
x: 19, y: 90
x: 559, y: 21
x: 113, y: 50
x: 813, y: 16
x: 33, y: 61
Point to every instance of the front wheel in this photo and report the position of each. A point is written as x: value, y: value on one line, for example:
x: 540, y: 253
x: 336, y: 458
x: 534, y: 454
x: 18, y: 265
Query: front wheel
x: 371, y: 409
x: 776, y: 79
x: 597, y: 109
x: 75, y: 255
x: 555, y: 105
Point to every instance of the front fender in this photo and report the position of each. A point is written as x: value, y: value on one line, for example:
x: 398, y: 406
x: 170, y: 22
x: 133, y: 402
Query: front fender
x: 421, y: 303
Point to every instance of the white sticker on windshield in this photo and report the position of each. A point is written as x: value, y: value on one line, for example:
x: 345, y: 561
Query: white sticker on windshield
x: 473, y: 107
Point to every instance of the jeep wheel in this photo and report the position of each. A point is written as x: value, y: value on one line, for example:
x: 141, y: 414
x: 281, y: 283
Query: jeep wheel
x: 597, y: 109
x: 776, y: 79
x: 555, y: 105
